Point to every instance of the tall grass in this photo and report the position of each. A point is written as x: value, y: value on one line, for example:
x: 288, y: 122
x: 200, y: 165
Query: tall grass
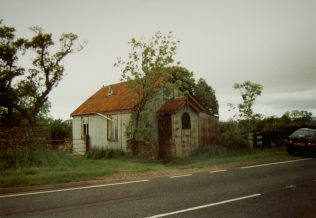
x: 31, y: 154
x: 217, y: 154
x: 35, y: 164
x: 48, y: 166
x: 103, y: 153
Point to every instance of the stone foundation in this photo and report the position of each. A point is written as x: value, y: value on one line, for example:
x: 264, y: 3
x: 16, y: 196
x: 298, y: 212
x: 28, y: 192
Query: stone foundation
x: 145, y: 149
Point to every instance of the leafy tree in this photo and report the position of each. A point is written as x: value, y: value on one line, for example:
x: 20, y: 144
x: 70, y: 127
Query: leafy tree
x: 29, y: 93
x: 61, y: 129
x: 10, y: 49
x: 182, y: 75
x: 249, y: 92
x: 299, y: 117
x: 149, y: 67
x: 206, y: 94
x: 144, y: 70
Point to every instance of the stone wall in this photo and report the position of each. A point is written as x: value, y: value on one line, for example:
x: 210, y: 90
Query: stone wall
x: 19, y: 136
x: 145, y: 149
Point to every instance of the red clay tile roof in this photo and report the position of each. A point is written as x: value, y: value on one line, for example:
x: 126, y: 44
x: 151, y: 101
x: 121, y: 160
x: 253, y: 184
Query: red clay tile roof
x: 172, y: 105
x: 122, y: 100
x: 100, y: 102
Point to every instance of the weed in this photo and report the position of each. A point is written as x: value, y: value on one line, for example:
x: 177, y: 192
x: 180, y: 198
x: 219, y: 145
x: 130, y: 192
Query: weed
x: 31, y: 154
x: 103, y: 153
x: 216, y: 154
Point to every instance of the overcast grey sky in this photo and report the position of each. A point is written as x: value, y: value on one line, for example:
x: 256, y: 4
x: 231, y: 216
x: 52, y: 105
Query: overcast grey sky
x: 271, y: 42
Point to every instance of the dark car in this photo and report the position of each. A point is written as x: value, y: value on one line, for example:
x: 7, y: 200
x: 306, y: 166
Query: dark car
x: 303, y: 140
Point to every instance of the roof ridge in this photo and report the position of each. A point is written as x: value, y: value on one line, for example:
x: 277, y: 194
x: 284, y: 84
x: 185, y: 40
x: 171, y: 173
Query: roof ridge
x: 118, y: 83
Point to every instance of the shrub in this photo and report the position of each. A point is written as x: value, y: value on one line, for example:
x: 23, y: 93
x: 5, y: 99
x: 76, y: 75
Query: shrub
x: 103, y: 153
x: 233, y: 140
x: 232, y: 135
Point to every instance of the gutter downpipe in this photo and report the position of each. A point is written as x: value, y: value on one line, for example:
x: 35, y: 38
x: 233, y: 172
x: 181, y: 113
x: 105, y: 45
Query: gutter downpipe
x: 105, y: 117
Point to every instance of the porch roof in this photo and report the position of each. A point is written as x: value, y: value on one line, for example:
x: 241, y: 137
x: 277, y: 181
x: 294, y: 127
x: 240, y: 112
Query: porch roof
x: 173, y: 105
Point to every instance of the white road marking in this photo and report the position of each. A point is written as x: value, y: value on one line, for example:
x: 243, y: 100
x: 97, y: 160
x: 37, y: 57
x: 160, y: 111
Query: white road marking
x: 173, y: 177
x: 70, y: 189
x: 206, y: 205
x: 138, y: 181
x: 218, y: 171
x: 275, y: 163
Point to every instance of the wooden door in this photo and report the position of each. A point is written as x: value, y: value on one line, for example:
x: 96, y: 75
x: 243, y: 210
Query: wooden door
x: 164, y: 126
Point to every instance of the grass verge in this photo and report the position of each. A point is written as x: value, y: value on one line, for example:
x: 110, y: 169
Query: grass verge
x: 58, y: 167
x: 220, y: 155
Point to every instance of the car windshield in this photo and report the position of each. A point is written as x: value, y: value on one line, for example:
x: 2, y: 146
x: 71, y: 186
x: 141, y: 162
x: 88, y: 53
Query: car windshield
x: 302, y: 133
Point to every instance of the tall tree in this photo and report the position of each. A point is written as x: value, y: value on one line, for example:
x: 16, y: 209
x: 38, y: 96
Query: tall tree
x: 249, y: 92
x: 144, y: 69
x: 32, y: 87
x: 183, y: 75
x: 10, y: 49
x: 206, y: 94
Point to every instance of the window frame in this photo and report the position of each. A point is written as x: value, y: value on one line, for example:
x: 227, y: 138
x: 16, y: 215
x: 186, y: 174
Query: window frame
x: 112, y: 129
x: 186, y: 121
x: 84, y: 127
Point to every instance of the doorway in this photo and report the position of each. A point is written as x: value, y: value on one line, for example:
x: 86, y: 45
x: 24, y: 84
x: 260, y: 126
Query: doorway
x: 164, y: 127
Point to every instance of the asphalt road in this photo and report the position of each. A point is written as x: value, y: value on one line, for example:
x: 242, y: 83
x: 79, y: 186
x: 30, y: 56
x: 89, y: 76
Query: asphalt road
x: 285, y: 189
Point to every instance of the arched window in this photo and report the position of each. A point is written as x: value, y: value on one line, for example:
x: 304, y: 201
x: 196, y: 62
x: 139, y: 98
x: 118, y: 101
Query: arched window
x: 186, y: 121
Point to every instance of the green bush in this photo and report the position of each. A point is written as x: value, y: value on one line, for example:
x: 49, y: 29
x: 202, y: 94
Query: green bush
x: 232, y: 135
x: 103, y: 153
x: 233, y: 140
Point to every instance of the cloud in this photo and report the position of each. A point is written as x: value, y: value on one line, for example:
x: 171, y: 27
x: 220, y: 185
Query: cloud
x: 272, y: 103
x: 272, y: 43
x: 304, y: 100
